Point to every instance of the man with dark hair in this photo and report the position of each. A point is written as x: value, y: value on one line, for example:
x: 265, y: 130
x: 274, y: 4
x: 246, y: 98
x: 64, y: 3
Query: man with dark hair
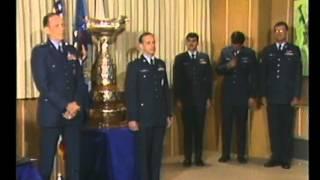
x: 281, y: 76
x: 238, y: 65
x: 193, y: 81
x: 59, y: 79
x: 149, y: 106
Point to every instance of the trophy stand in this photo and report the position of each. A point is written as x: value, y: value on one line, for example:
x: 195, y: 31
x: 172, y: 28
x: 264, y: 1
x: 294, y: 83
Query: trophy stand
x: 108, y: 106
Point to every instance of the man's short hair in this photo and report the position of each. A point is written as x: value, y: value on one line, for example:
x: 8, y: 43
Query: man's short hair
x: 46, y: 18
x: 281, y: 23
x: 192, y: 35
x: 143, y: 35
x: 237, y: 37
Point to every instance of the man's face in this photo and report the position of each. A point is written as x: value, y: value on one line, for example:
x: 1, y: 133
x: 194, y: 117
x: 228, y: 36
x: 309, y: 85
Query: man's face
x: 280, y: 33
x: 55, y: 28
x: 192, y: 44
x: 148, y: 45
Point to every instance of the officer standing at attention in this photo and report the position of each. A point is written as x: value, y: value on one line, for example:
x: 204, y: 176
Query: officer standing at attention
x: 193, y: 81
x: 238, y: 64
x: 58, y: 76
x: 281, y: 76
x: 148, y: 106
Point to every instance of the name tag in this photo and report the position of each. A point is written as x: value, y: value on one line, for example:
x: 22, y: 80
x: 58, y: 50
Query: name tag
x: 289, y: 53
x: 160, y: 68
x: 203, y: 61
x: 244, y: 59
x: 144, y: 70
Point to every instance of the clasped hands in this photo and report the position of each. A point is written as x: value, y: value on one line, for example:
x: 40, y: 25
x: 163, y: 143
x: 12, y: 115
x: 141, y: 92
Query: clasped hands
x: 233, y: 63
x: 72, y: 109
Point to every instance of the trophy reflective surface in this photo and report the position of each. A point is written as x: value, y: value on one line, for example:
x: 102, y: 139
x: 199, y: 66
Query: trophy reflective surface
x: 108, y: 105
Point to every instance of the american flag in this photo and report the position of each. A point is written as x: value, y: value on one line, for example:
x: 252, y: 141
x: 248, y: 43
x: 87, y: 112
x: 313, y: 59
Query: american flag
x: 81, y: 34
x: 58, y: 7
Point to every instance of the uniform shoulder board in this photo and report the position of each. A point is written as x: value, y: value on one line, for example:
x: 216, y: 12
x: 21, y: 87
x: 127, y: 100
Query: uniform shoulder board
x: 42, y: 45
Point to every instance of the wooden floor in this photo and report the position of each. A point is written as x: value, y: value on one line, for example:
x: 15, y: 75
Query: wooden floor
x: 172, y: 169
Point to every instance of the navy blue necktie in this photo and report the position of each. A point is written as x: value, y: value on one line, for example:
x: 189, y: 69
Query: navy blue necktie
x: 60, y: 48
x: 193, y: 57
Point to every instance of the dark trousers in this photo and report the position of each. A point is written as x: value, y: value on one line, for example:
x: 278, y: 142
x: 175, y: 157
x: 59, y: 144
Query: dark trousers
x: 48, y: 147
x: 149, y: 152
x: 193, y: 121
x: 281, y: 124
x: 239, y: 114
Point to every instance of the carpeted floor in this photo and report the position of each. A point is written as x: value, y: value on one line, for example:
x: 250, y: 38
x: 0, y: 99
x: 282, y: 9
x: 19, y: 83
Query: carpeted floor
x: 172, y: 169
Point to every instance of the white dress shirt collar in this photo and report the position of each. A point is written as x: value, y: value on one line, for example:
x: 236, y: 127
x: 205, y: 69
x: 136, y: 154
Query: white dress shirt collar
x: 56, y: 43
x: 148, y: 58
x: 194, y: 52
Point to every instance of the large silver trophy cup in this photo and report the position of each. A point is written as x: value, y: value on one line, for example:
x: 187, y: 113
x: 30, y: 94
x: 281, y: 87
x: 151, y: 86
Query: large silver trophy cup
x: 108, y: 107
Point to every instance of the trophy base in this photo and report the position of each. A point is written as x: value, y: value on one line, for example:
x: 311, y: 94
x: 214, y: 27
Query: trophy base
x: 100, y: 118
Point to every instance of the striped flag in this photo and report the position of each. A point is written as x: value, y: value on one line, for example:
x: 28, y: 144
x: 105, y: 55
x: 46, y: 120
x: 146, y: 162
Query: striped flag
x: 81, y: 34
x: 58, y: 7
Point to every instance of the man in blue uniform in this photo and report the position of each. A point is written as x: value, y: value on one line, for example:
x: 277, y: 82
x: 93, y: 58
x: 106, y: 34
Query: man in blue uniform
x: 59, y: 79
x: 238, y: 64
x: 148, y: 106
x: 193, y: 81
x: 281, y: 76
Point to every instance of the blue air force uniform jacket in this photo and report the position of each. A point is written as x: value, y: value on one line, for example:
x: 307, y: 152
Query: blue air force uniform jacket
x: 193, y: 79
x: 240, y: 83
x: 147, y: 93
x: 281, y: 74
x: 59, y: 82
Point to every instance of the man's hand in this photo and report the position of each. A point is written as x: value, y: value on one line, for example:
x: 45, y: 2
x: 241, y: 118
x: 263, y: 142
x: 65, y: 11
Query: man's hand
x: 294, y: 102
x: 179, y: 104
x: 169, y: 121
x: 71, y: 57
x: 72, y: 110
x: 233, y: 63
x: 208, y: 103
x: 252, y: 103
x: 133, y: 125
x: 68, y: 115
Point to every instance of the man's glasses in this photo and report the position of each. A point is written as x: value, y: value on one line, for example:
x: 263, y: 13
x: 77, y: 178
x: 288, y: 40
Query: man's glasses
x: 278, y: 31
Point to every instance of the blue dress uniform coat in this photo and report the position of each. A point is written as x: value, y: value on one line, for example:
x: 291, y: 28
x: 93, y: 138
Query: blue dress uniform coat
x: 281, y: 74
x: 239, y: 84
x: 148, y: 103
x: 281, y: 78
x: 59, y: 81
x: 193, y: 81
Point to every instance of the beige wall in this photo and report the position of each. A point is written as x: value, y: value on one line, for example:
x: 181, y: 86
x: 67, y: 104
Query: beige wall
x: 255, y: 18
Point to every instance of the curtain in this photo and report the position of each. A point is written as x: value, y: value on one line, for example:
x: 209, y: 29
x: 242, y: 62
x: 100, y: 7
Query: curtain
x: 169, y: 20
